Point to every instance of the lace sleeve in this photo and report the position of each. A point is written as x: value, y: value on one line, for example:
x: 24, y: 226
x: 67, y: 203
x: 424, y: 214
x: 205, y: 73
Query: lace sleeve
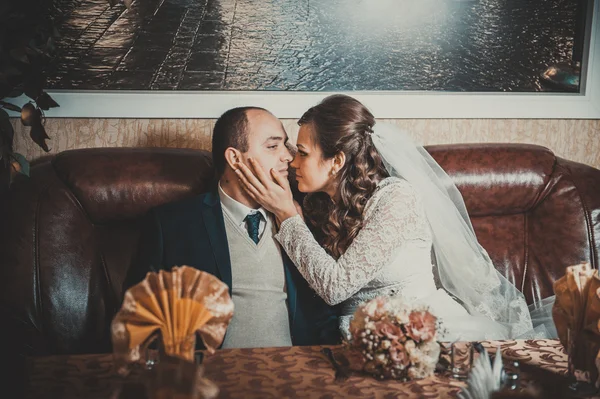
x: 393, y: 216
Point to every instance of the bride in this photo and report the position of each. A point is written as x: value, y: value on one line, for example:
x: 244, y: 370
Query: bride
x: 385, y: 220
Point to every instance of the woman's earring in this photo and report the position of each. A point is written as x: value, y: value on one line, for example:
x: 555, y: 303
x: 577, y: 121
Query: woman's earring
x: 333, y: 172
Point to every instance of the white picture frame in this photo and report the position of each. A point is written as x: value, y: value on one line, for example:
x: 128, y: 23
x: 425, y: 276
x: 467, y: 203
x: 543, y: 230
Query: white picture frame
x: 384, y: 104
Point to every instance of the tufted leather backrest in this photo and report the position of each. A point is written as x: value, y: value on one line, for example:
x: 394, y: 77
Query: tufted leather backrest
x: 534, y: 213
x: 70, y: 231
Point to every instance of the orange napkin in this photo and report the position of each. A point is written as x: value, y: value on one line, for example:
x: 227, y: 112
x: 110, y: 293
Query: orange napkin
x: 576, y: 314
x: 178, y: 304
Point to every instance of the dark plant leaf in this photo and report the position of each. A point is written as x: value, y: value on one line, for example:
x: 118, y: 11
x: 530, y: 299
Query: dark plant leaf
x: 38, y: 39
x: 34, y: 86
x: 6, y: 126
x: 4, y: 89
x: 5, y: 178
x: 38, y: 49
x: 32, y: 46
x: 7, y: 134
x: 23, y: 164
x: 16, y: 92
x: 45, y: 102
x: 10, y: 106
x: 10, y: 72
x: 113, y: 2
x: 19, y: 54
x: 39, y: 136
x: 32, y: 50
x: 50, y: 46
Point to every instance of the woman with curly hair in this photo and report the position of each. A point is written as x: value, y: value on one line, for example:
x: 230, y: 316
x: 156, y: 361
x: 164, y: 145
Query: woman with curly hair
x: 385, y: 218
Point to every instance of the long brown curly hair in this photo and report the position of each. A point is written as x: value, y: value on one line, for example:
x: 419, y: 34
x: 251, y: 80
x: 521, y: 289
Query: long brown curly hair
x: 342, y: 124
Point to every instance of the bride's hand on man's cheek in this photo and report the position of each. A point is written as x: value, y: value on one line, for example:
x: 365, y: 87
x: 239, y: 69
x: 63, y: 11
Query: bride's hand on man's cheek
x: 272, y: 192
x: 299, y: 209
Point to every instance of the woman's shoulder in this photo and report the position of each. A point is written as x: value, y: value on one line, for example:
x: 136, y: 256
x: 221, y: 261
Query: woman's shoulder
x: 395, y: 185
x: 393, y: 190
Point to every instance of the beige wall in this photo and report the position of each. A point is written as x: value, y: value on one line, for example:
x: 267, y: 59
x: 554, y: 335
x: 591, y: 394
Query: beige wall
x: 578, y: 140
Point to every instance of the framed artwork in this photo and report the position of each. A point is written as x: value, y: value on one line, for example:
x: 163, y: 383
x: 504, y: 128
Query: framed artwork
x: 402, y: 58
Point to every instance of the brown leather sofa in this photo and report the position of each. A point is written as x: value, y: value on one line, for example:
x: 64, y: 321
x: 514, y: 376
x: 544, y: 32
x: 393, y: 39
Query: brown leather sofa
x: 69, y: 232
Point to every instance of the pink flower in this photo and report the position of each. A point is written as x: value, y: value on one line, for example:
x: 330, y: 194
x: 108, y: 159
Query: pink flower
x: 389, y: 330
x: 421, y: 326
x: 376, y: 308
x: 398, y: 354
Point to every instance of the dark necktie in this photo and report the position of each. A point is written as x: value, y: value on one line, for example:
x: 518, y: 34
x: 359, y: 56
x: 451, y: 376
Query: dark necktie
x: 252, y: 222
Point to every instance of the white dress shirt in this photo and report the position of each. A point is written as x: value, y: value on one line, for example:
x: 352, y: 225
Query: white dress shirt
x: 238, y: 212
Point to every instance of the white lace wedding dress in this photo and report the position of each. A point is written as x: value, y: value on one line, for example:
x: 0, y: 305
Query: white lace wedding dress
x: 391, y: 255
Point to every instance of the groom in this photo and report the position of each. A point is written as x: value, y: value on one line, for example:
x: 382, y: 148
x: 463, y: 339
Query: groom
x: 225, y: 233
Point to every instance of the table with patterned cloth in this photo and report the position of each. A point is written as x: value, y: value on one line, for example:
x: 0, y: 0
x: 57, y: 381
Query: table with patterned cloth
x: 295, y: 372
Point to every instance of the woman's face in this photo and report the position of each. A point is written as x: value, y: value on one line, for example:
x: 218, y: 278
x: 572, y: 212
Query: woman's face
x: 313, y: 173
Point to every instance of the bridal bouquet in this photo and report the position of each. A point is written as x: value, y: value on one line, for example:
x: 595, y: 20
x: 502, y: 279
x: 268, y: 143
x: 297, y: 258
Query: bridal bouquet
x: 395, y: 340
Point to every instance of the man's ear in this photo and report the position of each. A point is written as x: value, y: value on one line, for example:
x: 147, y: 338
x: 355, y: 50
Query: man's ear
x: 232, y: 157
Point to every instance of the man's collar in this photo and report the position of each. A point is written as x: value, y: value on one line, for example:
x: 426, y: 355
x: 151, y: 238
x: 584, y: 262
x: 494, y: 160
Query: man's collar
x: 236, y: 209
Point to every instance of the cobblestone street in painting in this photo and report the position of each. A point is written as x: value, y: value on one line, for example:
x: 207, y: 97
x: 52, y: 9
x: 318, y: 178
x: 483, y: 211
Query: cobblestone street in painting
x: 309, y: 45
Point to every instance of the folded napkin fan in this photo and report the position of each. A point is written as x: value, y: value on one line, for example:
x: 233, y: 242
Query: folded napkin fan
x: 178, y: 304
x: 576, y: 314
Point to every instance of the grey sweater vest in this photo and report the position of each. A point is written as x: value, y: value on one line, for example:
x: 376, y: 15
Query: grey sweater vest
x: 260, y: 317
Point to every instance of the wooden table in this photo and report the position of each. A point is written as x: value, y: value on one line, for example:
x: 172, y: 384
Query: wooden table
x: 296, y: 372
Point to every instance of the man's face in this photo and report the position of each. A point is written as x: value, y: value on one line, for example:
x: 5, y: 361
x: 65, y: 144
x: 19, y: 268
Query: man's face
x: 267, y: 142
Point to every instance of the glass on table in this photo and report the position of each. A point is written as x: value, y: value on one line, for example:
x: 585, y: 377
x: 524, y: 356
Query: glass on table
x: 511, y: 375
x: 152, y: 357
x: 176, y: 377
x: 156, y: 349
x: 461, y: 359
x: 580, y: 385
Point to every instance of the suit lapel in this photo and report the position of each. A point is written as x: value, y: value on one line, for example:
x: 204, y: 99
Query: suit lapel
x: 291, y: 288
x: 215, y: 227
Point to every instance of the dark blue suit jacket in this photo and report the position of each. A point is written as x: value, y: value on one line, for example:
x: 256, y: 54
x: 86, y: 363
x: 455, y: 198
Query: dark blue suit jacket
x: 192, y: 232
